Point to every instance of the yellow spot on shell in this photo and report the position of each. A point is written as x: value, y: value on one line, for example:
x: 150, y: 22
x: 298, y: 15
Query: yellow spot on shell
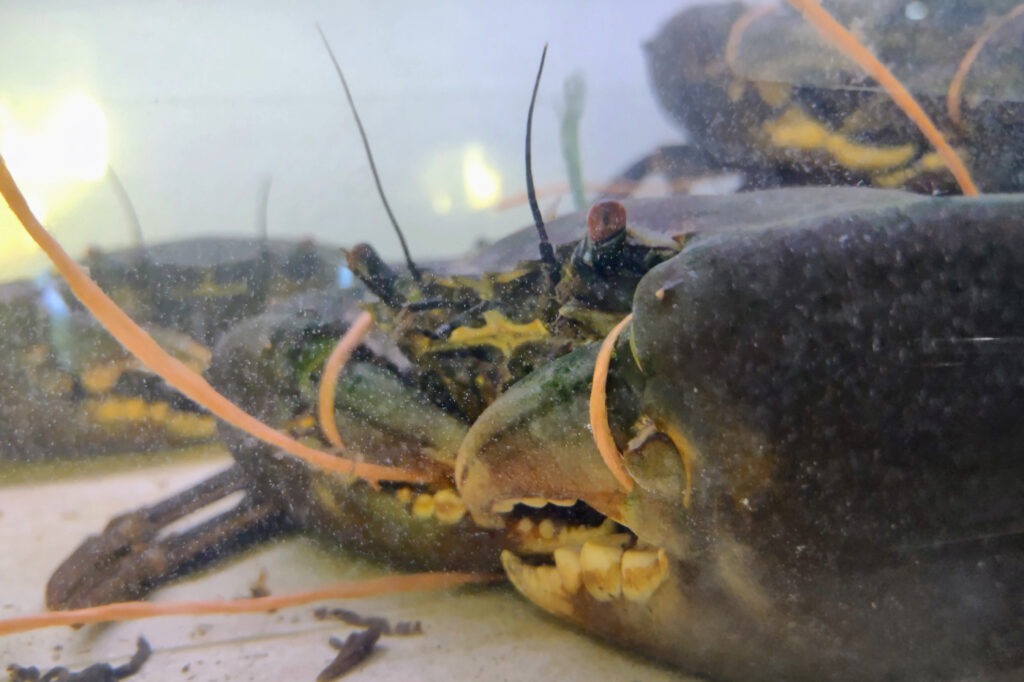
x: 773, y: 94
x: 932, y: 162
x: 113, y: 410
x: 796, y: 130
x: 929, y: 163
x: 182, y: 425
x: 500, y: 332
x: 191, y: 426
x: 101, y: 378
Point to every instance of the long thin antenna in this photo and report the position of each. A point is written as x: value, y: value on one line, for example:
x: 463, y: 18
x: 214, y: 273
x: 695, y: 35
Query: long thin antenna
x: 413, y: 270
x: 547, y: 252
x: 129, y: 208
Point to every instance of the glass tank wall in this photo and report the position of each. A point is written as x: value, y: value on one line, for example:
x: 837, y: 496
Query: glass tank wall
x: 195, y: 106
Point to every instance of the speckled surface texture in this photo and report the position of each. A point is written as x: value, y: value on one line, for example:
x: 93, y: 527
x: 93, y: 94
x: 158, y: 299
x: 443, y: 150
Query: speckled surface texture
x: 480, y: 633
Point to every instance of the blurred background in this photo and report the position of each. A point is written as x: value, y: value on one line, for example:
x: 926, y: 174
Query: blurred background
x: 195, y: 105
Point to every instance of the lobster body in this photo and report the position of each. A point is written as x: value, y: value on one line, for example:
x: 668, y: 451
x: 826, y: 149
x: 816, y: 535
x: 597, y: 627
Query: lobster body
x: 842, y: 390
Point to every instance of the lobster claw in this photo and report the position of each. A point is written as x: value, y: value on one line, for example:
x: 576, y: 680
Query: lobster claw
x: 131, y: 556
x: 840, y: 506
x: 531, y: 456
x: 535, y: 443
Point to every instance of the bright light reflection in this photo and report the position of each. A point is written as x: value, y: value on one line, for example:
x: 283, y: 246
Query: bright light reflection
x: 67, y: 143
x: 481, y: 180
x: 15, y: 243
x: 442, y: 204
x: 54, y: 150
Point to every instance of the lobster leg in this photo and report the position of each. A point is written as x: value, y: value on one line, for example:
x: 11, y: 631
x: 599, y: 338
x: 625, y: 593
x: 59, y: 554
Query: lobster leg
x: 679, y: 164
x: 131, y: 557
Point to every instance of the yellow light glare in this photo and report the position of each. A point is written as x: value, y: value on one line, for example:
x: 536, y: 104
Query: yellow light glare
x: 16, y: 247
x: 481, y: 180
x: 66, y: 144
x: 442, y: 204
x: 78, y: 133
x: 55, y: 148
x: 38, y: 208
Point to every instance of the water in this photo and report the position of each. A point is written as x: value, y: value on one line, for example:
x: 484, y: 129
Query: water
x: 202, y: 102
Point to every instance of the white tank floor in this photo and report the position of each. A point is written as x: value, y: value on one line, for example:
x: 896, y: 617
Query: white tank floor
x: 481, y: 633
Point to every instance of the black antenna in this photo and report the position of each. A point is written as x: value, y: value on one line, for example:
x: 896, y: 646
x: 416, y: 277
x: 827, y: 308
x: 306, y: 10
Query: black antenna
x: 547, y: 252
x: 128, y: 207
x: 413, y: 270
x: 262, y: 218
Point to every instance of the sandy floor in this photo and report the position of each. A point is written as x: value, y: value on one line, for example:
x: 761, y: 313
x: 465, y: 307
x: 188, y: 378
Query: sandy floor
x: 468, y: 634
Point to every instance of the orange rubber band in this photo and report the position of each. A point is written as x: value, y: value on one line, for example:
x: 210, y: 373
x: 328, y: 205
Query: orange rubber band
x: 846, y: 43
x: 956, y: 86
x: 739, y: 27
x: 599, y: 409
x: 137, y: 610
x: 141, y: 345
x: 329, y: 378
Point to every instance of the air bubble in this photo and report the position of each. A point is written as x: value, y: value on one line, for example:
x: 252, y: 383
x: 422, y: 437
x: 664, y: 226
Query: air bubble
x: 916, y: 11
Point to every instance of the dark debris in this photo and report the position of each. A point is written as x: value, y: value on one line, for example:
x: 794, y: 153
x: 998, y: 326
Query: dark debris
x: 259, y: 588
x: 402, y: 628
x: 99, y: 672
x: 359, y: 645
x: 351, y: 653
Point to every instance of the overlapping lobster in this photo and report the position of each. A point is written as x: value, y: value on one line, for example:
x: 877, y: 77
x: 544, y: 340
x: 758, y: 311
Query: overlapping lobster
x: 799, y: 457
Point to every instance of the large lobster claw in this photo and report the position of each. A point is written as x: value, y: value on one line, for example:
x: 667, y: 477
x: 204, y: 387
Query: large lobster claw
x: 821, y: 420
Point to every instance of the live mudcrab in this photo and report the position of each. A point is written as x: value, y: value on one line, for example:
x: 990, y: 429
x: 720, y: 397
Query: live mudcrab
x: 816, y: 391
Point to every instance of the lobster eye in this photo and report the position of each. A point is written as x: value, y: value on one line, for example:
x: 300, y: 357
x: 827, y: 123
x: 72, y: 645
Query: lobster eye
x: 605, y: 220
